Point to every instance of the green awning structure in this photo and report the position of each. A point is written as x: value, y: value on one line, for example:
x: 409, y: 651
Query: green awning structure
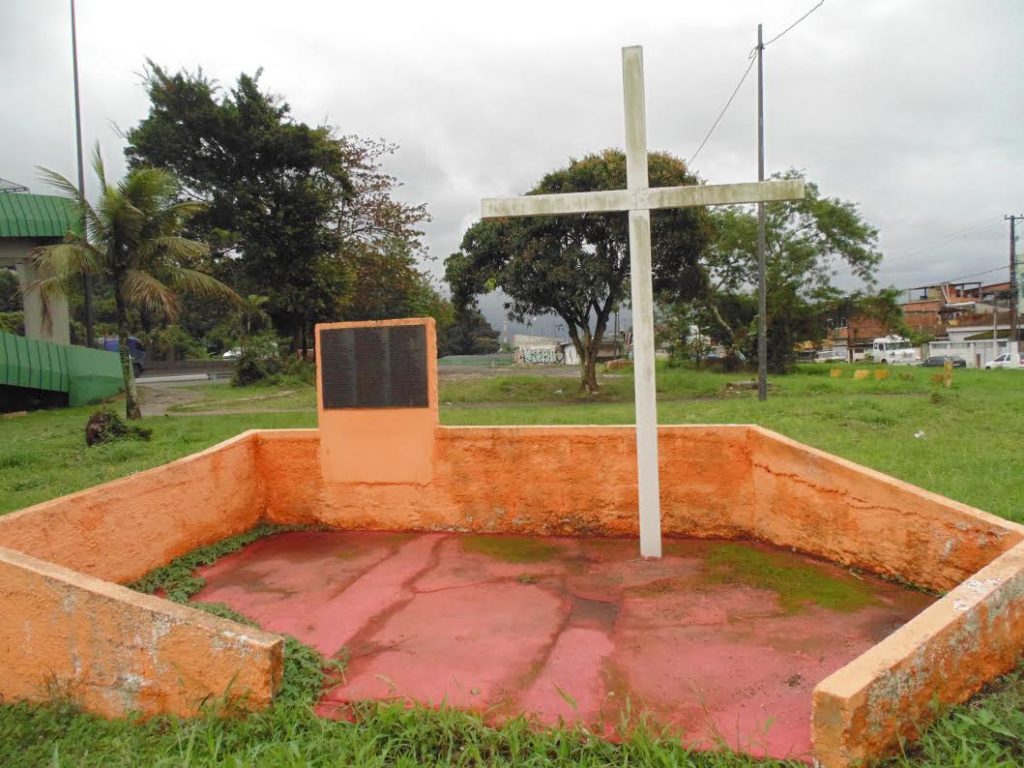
x: 36, y: 216
x: 85, y: 375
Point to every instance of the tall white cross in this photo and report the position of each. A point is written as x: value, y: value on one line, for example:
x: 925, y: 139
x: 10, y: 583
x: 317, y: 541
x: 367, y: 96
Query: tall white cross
x: 639, y: 200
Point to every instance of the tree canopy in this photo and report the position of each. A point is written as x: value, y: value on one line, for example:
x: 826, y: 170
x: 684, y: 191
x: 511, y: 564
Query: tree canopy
x: 133, y: 240
x: 578, y: 266
x: 806, y: 242
x: 471, y: 334
x: 291, y: 209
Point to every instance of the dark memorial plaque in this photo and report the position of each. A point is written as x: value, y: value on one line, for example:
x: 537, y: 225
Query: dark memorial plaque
x: 383, y: 367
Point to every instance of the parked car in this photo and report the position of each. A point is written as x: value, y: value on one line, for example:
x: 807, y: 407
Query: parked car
x: 135, y: 349
x: 829, y: 357
x: 1006, y: 360
x: 937, y: 361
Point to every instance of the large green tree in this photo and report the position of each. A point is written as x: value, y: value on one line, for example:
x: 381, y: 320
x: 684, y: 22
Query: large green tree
x: 471, y: 334
x: 289, y: 206
x: 807, y: 241
x: 133, y: 241
x: 578, y: 266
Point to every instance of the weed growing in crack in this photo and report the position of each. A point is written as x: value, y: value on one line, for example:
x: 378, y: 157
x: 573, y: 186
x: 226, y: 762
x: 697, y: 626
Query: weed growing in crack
x: 178, y: 579
x: 306, y: 670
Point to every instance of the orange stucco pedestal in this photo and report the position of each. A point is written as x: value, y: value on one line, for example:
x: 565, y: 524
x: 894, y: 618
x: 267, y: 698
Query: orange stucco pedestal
x: 382, y: 445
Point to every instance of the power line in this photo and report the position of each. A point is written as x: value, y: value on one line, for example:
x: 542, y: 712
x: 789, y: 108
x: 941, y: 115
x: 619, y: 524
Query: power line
x: 752, y: 56
x: 958, y: 279
x: 820, y: 3
x: 722, y: 113
x: 946, y: 238
x: 977, y: 274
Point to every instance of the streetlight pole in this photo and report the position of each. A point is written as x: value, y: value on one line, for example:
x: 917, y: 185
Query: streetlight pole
x: 87, y: 279
x: 762, y: 288
x: 1013, y: 346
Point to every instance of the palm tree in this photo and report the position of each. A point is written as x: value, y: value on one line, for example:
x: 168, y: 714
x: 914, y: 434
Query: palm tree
x: 132, y: 238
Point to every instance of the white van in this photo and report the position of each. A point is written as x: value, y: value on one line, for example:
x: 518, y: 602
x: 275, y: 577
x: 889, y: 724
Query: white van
x: 894, y: 350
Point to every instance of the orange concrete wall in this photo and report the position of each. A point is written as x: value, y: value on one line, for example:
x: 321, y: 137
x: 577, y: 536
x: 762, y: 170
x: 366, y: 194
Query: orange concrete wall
x: 945, y: 654
x: 117, y: 650
x: 838, y: 510
x: 121, y: 530
x: 114, y: 651
x: 542, y: 480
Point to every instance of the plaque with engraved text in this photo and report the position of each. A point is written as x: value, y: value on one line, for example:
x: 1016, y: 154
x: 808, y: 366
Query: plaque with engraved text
x: 382, y: 367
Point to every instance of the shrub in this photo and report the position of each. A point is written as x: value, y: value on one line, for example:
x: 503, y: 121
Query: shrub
x: 295, y: 370
x: 172, y: 343
x: 12, y: 322
x: 259, y: 361
x: 105, y: 426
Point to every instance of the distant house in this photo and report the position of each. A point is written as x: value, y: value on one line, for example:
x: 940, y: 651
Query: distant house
x: 549, y: 350
x: 937, y: 308
x: 969, y: 315
x: 960, y: 317
x: 852, y: 337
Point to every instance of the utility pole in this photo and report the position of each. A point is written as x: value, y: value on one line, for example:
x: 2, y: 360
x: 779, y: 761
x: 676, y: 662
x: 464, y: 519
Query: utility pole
x: 762, y: 290
x: 1013, y: 346
x: 87, y: 279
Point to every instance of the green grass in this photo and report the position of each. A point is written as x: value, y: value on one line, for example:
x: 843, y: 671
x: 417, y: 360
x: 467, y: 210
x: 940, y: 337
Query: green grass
x: 511, y: 549
x: 44, y: 454
x: 798, y: 583
x: 223, y: 397
x: 963, y: 442
x: 988, y: 732
x: 179, y: 580
x: 306, y: 671
x: 290, y: 735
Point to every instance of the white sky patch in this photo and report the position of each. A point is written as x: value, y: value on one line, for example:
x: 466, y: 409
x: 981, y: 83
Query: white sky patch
x: 912, y: 109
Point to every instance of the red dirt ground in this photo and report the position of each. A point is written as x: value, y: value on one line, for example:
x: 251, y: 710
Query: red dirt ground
x: 573, y: 629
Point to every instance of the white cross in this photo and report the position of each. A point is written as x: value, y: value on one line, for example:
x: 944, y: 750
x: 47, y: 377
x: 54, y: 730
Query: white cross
x: 639, y: 199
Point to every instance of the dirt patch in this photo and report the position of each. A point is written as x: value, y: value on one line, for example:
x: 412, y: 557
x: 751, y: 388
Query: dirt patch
x: 158, y: 397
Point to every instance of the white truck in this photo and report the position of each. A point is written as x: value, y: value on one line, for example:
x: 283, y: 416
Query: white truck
x: 894, y: 350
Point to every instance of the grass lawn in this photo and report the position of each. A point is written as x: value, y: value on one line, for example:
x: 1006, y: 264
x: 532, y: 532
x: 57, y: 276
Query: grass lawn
x: 963, y: 442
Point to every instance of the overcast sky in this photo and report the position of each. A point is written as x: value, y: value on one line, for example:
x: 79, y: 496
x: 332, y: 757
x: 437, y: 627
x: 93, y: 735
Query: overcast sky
x: 913, y: 109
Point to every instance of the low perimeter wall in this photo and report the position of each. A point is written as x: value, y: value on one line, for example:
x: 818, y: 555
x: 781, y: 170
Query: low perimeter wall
x: 730, y: 481
x: 65, y: 635
x: 121, y: 530
x: 67, y: 627
x: 945, y: 654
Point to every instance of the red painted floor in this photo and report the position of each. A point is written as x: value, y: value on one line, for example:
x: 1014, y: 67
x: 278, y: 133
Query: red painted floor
x: 582, y: 630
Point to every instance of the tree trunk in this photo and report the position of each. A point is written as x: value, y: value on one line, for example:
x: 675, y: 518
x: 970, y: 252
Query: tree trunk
x: 131, y: 395
x: 586, y: 348
x: 590, y: 373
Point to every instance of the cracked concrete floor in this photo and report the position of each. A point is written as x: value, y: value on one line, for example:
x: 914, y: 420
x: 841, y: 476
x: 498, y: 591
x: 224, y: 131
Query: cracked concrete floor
x: 717, y: 640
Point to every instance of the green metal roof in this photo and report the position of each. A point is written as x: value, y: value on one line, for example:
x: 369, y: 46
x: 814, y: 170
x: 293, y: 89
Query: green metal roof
x: 24, y: 215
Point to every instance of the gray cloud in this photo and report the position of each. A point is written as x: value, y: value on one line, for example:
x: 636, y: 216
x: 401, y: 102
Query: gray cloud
x: 912, y: 109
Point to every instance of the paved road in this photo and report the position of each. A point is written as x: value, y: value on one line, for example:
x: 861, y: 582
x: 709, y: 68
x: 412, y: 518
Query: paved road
x: 157, y: 396
x: 159, y: 393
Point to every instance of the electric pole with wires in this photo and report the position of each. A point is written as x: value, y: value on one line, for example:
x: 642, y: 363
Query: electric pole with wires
x: 1013, y: 345
x: 86, y: 279
x: 762, y: 281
